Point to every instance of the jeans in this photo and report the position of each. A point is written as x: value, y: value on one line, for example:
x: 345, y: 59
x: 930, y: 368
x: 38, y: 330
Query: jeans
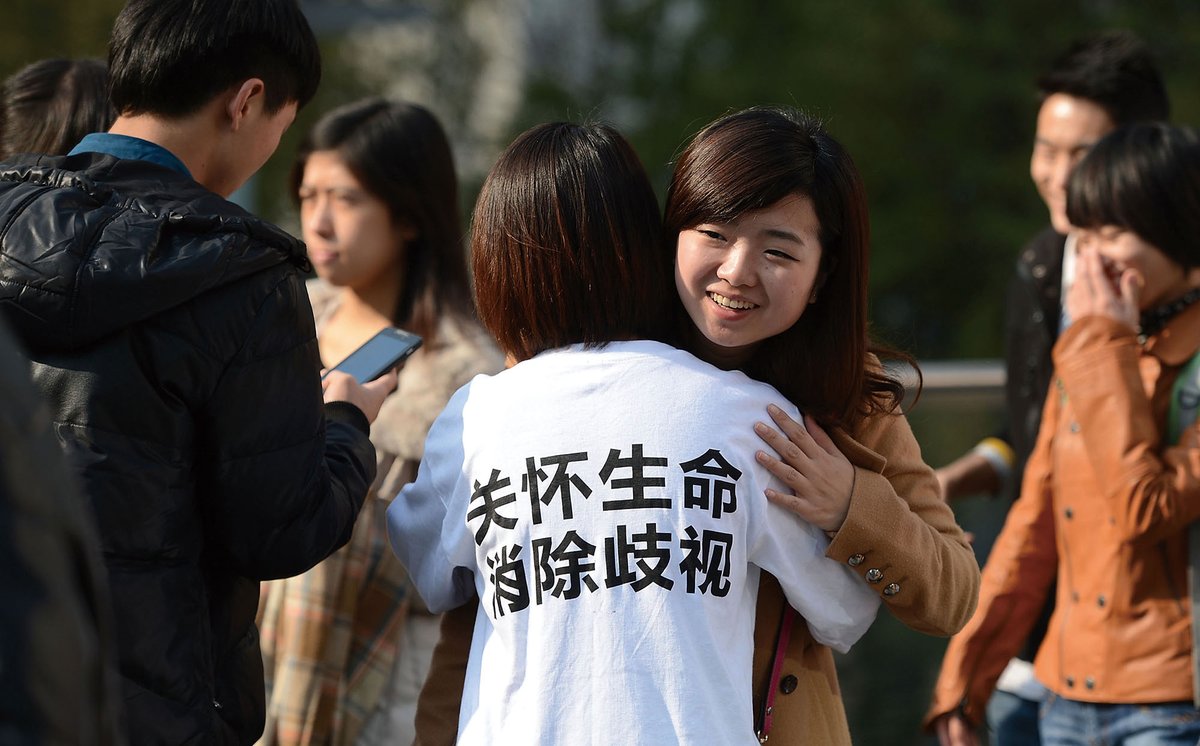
x: 1065, y: 722
x: 1012, y: 720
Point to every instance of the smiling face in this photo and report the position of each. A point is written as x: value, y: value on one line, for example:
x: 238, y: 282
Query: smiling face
x: 1067, y: 127
x: 749, y: 279
x: 352, y: 239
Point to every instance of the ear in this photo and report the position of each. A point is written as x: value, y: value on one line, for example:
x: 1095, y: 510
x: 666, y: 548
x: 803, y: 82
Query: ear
x: 243, y: 101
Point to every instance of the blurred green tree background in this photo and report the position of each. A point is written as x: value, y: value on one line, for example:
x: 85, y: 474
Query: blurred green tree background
x: 934, y: 98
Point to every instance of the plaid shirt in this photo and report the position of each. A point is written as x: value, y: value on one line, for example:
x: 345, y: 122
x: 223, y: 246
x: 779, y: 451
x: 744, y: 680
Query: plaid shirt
x: 329, y: 638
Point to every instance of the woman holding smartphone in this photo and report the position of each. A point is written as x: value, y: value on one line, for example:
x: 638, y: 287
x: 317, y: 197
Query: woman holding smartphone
x: 347, y: 644
x: 767, y: 232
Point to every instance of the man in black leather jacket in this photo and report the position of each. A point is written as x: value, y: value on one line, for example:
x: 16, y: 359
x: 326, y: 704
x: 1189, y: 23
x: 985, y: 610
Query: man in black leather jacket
x: 170, y: 332
x: 1097, y: 84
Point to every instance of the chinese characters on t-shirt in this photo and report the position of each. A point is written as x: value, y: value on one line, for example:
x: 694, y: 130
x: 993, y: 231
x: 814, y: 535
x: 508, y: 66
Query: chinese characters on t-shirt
x: 565, y: 563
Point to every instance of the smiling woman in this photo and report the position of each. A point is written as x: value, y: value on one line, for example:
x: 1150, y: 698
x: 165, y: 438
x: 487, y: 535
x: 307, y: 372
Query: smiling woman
x: 750, y: 278
x: 769, y: 220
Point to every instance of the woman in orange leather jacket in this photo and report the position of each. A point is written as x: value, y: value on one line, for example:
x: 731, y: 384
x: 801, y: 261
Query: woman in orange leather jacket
x: 1109, y: 492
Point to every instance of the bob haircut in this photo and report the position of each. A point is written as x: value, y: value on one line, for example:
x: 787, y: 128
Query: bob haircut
x: 564, y: 243
x: 1143, y: 178
x: 48, y: 106
x: 748, y: 161
x: 400, y: 154
x: 1113, y: 70
x: 171, y: 57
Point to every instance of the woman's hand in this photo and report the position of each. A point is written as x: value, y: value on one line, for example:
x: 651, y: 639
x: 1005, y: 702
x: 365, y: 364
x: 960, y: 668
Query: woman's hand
x: 820, y: 477
x: 1098, y: 290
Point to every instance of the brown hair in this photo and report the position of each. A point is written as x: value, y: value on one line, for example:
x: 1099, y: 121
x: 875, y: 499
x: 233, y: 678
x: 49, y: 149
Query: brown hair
x: 564, y: 243
x: 48, y: 106
x: 749, y: 161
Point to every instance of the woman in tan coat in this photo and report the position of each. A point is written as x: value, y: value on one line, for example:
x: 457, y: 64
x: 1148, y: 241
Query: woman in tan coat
x: 766, y: 221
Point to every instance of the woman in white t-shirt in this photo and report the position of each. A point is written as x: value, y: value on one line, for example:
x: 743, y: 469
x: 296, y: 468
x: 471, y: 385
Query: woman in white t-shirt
x: 602, y: 496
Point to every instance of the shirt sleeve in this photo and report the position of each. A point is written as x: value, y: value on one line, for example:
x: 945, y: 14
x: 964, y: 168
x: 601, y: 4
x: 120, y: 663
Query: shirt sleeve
x: 836, y: 604
x: 427, y: 520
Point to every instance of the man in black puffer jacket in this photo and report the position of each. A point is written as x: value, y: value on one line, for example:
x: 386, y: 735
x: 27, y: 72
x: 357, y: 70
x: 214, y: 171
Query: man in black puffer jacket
x: 170, y: 332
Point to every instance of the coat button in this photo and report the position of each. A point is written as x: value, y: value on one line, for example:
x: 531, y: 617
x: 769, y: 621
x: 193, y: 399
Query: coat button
x: 1038, y: 317
x: 1039, y: 271
x: 891, y: 589
x: 1100, y: 601
x: 1074, y: 427
x: 1071, y: 681
x: 788, y: 684
x: 874, y: 575
x: 1089, y: 682
x: 855, y: 560
x: 1069, y: 513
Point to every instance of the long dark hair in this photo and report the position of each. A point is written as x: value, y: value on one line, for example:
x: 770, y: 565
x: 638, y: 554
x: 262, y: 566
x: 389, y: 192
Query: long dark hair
x: 400, y: 154
x: 749, y: 161
x: 564, y: 243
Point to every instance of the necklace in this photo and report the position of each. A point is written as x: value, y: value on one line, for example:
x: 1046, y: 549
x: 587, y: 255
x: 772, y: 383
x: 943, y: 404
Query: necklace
x: 1156, y: 318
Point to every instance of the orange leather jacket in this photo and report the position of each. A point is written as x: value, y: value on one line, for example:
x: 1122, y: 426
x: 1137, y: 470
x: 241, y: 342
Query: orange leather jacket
x: 1105, y: 504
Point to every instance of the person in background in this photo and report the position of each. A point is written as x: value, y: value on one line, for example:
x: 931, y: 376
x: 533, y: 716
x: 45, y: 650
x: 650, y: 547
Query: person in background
x: 346, y: 644
x: 49, y: 105
x: 616, y: 544
x: 171, y: 336
x: 1113, y: 482
x: 767, y: 237
x: 1095, y: 85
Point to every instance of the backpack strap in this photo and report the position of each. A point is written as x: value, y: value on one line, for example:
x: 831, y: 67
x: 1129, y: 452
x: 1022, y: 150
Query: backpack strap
x: 1185, y: 405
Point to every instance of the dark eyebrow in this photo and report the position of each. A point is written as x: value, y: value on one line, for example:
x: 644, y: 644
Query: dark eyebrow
x: 784, y: 235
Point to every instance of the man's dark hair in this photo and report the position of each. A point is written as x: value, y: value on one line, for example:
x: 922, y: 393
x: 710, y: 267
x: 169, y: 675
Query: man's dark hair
x: 171, y: 57
x: 48, y: 106
x: 1114, y: 70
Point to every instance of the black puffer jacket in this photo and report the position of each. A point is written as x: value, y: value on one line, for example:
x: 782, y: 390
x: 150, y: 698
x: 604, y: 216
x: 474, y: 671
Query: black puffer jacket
x: 57, y: 660
x: 171, y: 334
x: 1032, y: 317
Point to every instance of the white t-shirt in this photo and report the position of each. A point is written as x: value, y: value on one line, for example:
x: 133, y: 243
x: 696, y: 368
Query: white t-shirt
x: 606, y: 506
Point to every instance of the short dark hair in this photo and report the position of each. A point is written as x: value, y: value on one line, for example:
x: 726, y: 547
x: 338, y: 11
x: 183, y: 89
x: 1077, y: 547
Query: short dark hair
x: 400, y: 154
x: 171, y: 57
x: 1143, y: 178
x: 564, y: 241
x: 1114, y: 70
x: 750, y: 160
x: 48, y: 106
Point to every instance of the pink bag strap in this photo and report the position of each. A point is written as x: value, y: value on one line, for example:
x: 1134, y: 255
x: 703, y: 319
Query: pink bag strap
x: 781, y: 646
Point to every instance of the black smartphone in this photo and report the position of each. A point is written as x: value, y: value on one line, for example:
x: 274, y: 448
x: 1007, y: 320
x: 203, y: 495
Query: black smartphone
x: 379, y: 354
